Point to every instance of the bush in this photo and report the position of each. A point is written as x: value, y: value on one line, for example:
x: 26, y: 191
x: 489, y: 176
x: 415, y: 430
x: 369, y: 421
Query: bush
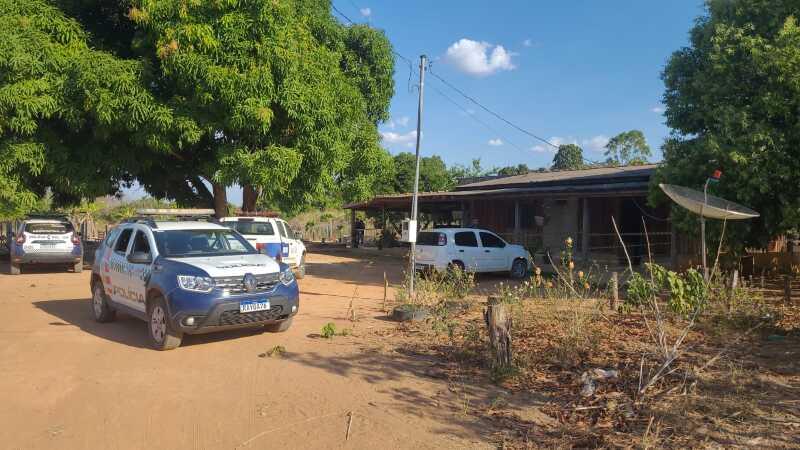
x: 329, y: 330
x: 687, y: 292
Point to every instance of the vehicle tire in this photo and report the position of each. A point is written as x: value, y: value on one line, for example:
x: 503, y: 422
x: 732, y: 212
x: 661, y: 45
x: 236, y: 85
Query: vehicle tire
x: 279, y: 327
x: 458, y: 264
x: 519, y: 268
x: 101, y: 310
x: 14, y: 268
x: 159, y: 328
x: 78, y: 267
x: 301, y: 268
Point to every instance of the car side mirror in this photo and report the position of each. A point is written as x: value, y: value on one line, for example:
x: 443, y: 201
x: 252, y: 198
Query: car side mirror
x: 139, y: 258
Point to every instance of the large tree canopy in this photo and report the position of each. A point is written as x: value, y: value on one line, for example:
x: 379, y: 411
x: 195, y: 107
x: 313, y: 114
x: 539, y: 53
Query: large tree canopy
x: 568, y: 157
x: 733, y: 98
x: 627, y: 148
x: 278, y: 97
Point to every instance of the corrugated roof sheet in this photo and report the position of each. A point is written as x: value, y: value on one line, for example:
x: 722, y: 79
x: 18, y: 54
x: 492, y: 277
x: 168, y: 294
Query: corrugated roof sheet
x: 594, y: 175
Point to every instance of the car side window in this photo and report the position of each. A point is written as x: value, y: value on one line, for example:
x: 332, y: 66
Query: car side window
x: 281, y: 229
x: 466, y: 239
x: 140, y: 243
x: 490, y: 240
x: 122, y: 241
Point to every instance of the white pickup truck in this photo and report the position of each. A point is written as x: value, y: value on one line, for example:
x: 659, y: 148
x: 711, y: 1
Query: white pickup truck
x: 272, y: 236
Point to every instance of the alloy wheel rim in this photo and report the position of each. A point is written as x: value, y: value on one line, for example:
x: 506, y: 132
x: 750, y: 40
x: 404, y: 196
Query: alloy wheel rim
x: 158, y: 324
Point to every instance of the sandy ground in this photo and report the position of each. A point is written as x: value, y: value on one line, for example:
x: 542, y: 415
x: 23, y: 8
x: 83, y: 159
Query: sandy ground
x: 68, y: 382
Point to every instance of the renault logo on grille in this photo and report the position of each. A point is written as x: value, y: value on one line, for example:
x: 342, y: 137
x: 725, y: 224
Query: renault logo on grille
x: 250, y: 283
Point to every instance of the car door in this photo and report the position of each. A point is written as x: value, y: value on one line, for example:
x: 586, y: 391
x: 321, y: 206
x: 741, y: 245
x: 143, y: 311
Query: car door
x: 286, y: 245
x: 493, y: 252
x: 139, y: 273
x: 117, y: 278
x: 467, y: 250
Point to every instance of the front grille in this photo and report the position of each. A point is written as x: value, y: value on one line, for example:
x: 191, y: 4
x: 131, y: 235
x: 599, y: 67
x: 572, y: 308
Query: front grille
x: 234, y: 317
x: 235, y: 285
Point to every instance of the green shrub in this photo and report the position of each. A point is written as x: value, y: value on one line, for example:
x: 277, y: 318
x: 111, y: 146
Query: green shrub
x: 329, y: 330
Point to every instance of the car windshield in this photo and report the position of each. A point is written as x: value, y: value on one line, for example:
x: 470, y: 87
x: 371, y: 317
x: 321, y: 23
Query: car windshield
x: 188, y: 243
x: 251, y: 227
x: 48, y: 228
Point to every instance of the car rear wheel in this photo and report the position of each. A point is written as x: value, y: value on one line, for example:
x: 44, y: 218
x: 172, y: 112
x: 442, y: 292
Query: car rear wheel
x: 457, y: 265
x: 301, y: 268
x: 519, y: 269
x: 279, y: 327
x: 162, y: 335
x: 15, y: 268
x: 101, y: 310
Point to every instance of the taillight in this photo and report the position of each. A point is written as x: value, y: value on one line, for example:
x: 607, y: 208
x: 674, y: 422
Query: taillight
x: 260, y: 246
x: 20, y: 239
x: 442, y: 240
x: 76, y: 240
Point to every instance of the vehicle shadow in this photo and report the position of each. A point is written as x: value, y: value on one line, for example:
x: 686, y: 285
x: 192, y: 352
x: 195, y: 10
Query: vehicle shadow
x: 125, y: 329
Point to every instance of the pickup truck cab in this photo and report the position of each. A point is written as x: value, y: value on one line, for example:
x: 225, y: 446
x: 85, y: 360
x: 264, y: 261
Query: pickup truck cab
x: 470, y: 249
x: 189, y: 277
x: 45, y: 240
x: 272, y: 236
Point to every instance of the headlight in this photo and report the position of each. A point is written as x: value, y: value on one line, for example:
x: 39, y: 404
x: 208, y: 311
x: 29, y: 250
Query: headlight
x: 287, y: 277
x: 195, y: 284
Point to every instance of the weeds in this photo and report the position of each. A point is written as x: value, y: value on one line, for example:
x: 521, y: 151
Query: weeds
x: 276, y: 351
x: 329, y: 330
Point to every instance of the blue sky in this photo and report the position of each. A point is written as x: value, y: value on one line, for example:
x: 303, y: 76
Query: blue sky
x: 569, y: 71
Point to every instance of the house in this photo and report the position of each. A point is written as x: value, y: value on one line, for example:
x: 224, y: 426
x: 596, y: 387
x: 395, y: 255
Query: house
x: 540, y: 210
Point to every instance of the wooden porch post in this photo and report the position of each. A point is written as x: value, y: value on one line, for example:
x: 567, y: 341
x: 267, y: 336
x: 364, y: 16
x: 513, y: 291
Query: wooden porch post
x: 586, y: 230
x: 517, y: 224
x: 352, y: 228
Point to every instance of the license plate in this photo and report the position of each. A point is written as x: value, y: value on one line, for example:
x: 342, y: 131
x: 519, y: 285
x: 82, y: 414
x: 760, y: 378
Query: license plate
x: 49, y: 244
x: 253, y: 305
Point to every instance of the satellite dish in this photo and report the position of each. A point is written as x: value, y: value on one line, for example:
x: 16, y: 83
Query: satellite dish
x: 707, y: 205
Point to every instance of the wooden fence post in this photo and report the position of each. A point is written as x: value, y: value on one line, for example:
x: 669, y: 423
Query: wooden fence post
x: 498, y: 324
x: 385, y: 291
x: 614, y: 291
x: 787, y: 290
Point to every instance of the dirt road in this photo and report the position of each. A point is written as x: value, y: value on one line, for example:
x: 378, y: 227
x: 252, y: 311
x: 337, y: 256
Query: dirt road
x: 67, y: 382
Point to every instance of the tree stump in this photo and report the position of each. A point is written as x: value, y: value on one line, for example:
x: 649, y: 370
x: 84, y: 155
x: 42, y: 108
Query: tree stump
x: 498, y: 324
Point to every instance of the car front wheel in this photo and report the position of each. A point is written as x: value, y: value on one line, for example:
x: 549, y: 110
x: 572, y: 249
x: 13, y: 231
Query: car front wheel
x: 162, y: 335
x: 101, y: 310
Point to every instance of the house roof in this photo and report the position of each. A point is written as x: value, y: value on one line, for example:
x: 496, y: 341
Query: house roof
x: 603, y: 175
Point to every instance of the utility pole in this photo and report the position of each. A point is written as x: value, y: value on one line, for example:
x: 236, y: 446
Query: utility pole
x: 414, y: 212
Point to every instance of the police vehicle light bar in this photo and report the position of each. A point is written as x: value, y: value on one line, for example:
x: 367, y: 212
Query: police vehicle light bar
x: 174, y: 212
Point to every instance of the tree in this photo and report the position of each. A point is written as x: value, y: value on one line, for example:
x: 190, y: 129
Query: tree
x: 732, y: 98
x: 627, y: 148
x: 519, y: 169
x: 433, y: 174
x: 188, y: 98
x: 73, y: 120
x: 568, y: 157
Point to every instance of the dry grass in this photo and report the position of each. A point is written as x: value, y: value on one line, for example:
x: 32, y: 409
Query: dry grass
x: 731, y: 387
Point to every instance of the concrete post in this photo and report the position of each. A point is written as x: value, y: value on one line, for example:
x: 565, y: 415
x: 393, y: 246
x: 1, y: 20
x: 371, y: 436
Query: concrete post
x: 586, y: 230
x: 517, y: 224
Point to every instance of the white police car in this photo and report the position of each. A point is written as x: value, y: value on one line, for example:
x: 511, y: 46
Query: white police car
x: 189, y: 277
x: 273, y: 236
x: 45, y: 240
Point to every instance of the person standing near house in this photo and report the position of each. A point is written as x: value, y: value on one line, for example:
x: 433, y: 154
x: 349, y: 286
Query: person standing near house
x: 359, y: 233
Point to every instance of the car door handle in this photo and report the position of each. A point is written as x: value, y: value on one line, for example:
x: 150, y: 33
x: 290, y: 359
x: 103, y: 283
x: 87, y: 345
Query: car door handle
x: 461, y: 251
x: 487, y: 251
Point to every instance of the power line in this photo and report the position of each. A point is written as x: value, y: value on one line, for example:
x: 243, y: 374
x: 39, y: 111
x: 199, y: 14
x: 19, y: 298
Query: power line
x: 472, y: 116
x: 468, y: 97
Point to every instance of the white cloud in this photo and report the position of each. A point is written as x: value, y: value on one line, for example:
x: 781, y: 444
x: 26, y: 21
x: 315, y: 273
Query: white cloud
x: 479, y: 58
x: 390, y: 137
x: 495, y: 142
x: 365, y: 12
x: 403, y: 121
x: 527, y: 43
x: 657, y: 109
x: 596, y: 143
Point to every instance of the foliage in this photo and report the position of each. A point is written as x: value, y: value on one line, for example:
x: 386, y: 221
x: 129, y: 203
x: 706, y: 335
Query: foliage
x: 732, y: 98
x: 568, y: 157
x: 628, y: 148
x: 433, y: 174
x: 688, y: 292
x: 73, y: 120
x: 519, y: 169
x: 329, y: 330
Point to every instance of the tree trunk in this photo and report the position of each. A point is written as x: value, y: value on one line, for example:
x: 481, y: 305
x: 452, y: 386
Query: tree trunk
x: 498, y: 324
x: 220, y: 200
x: 249, y: 197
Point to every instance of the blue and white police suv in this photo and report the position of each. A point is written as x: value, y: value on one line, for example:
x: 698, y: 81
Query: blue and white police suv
x: 189, y: 277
